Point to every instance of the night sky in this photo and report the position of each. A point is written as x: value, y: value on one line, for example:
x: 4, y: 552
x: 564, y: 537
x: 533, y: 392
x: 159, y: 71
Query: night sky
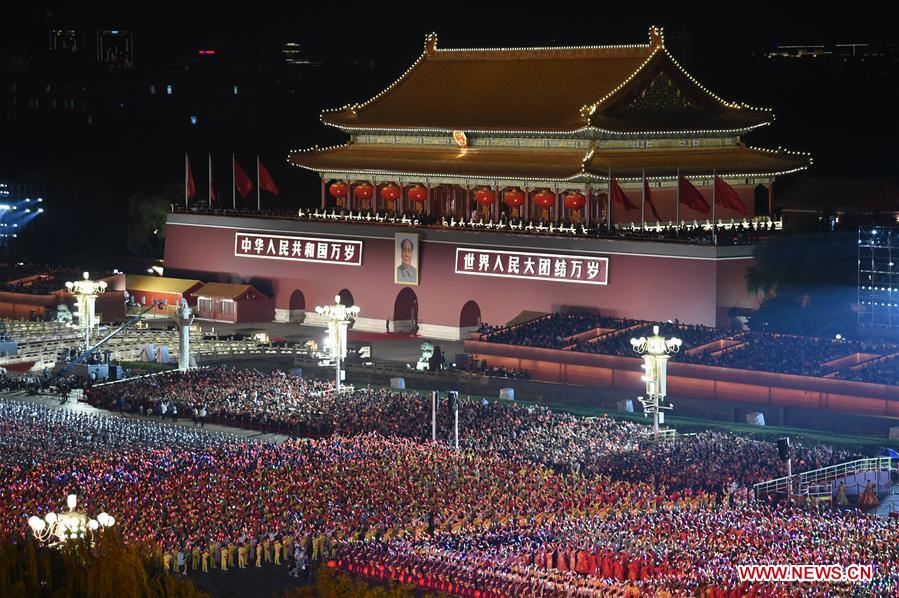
x: 844, y: 112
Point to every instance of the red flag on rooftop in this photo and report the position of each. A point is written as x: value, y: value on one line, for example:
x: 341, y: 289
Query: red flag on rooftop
x: 211, y: 183
x: 691, y: 197
x: 619, y: 197
x: 726, y: 196
x: 190, y: 186
x: 242, y: 181
x: 265, y: 180
x: 648, y: 195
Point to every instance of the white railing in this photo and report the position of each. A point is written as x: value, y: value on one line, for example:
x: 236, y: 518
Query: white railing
x: 818, y: 477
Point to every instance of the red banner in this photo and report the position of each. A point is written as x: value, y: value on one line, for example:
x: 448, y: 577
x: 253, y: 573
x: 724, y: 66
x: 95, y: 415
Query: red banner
x: 298, y: 249
x: 532, y: 266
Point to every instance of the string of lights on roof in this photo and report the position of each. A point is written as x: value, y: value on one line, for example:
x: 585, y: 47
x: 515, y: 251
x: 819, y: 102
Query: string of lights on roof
x: 355, y: 107
x: 657, y: 44
x: 780, y: 151
x: 431, y: 48
x: 589, y: 128
x: 657, y: 35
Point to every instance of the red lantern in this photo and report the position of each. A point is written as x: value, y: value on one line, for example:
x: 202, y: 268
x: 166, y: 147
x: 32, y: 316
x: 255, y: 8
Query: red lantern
x: 338, y: 190
x: 418, y: 194
x: 575, y: 201
x: 485, y: 197
x: 544, y: 199
x: 363, y: 191
x: 390, y: 193
x: 513, y: 198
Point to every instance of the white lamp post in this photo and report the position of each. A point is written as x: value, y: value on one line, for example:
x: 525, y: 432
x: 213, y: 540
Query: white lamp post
x: 339, y: 317
x: 86, y: 290
x: 655, y: 350
x: 183, y: 319
x: 69, y: 525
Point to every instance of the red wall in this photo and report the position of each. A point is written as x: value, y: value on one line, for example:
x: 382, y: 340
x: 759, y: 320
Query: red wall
x: 255, y: 310
x: 641, y: 286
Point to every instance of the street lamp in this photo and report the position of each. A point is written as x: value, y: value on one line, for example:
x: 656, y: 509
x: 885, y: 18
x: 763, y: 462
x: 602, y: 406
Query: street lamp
x: 655, y: 350
x: 339, y: 317
x: 86, y: 290
x: 68, y: 525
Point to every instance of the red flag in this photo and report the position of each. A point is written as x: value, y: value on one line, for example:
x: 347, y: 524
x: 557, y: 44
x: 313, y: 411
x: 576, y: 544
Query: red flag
x: 191, y: 185
x: 211, y: 183
x: 265, y: 181
x: 691, y: 197
x: 648, y: 196
x: 726, y: 196
x: 619, y: 197
x: 242, y: 181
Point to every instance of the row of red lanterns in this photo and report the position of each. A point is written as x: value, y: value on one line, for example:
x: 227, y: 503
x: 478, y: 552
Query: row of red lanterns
x: 484, y: 196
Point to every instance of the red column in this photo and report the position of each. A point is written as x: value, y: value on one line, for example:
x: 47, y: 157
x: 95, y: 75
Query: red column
x: 589, y: 193
x: 526, y: 208
x: 557, y: 211
x: 770, y: 200
x: 324, y: 198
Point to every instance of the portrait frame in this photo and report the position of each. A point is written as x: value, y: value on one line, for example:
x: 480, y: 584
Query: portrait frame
x: 406, y: 273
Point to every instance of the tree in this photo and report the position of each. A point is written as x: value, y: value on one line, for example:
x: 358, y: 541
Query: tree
x: 807, y: 283
x: 108, y: 569
x: 146, y: 219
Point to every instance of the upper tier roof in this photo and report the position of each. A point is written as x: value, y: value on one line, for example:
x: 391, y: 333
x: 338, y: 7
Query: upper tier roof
x: 388, y: 161
x: 617, y: 89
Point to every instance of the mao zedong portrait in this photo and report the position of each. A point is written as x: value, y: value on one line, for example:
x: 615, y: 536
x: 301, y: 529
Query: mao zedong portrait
x: 406, y: 272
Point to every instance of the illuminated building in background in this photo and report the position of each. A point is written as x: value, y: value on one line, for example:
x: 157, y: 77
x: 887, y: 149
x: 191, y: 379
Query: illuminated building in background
x: 115, y: 48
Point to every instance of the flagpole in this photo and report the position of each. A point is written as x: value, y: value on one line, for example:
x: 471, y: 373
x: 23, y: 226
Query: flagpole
x: 210, y: 179
x: 714, y: 179
x: 677, y: 204
x: 643, y: 203
x: 714, y: 201
x: 233, y: 186
x: 258, y: 190
x: 609, y: 203
x: 186, y: 178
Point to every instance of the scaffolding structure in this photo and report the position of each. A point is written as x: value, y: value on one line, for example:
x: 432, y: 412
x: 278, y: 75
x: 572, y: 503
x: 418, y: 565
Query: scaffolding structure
x: 878, y: 277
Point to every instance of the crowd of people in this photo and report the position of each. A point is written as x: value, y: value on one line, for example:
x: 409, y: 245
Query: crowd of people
x: 748, y: 233
x: 36, y: 279
x: 555, y: 330
x: 885, y: 371
x: 249, y: 398
x: 560, y: 441
x: 619, y: 342
x: 763, y: 351
x: 535, y: 502
x: 784, y: 353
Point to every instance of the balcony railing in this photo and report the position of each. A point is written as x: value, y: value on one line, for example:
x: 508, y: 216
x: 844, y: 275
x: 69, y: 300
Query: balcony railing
x: 724, y: 232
